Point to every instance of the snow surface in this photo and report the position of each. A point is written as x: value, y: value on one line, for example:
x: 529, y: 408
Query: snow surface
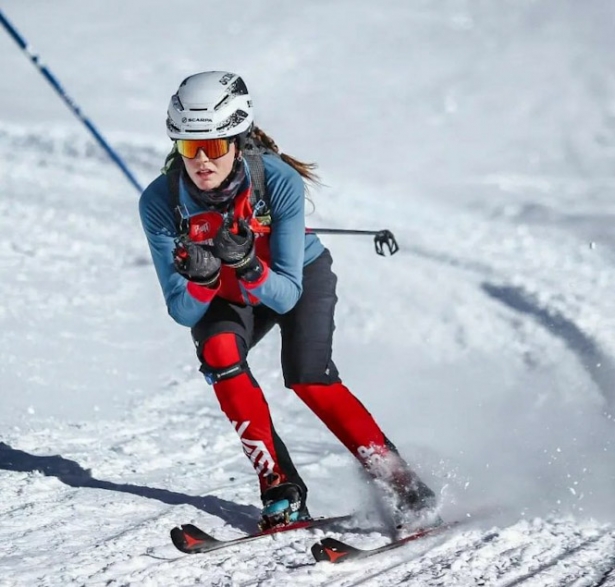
x: 481, y: 133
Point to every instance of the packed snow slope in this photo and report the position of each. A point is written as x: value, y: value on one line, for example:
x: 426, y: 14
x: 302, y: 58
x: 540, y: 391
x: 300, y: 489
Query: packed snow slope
x: 482, y: 134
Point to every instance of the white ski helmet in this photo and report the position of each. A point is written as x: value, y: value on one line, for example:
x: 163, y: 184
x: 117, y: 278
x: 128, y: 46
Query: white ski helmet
x: 210, y: 105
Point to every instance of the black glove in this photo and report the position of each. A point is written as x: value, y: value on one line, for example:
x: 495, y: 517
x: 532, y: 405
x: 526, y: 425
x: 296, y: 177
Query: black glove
x: 237, y: 251
x: 232, y: 248
x: 196, y: 263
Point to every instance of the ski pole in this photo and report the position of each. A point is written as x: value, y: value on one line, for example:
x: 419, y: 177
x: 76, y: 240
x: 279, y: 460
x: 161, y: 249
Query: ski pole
x: 67, y: 100
x: 382, y: 238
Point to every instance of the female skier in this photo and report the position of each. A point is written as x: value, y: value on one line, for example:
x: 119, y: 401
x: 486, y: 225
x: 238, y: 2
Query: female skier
x: 226, y: 229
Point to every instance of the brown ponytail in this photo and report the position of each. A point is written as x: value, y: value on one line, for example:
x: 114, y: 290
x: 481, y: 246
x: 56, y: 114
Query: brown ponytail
x: 305, y: 170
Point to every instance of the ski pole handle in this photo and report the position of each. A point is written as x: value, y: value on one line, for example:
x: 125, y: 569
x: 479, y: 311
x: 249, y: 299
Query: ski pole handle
x: 382, y: 238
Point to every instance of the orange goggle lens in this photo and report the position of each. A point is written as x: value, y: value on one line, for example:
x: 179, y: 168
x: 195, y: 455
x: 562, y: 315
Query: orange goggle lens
x: 213, y: 148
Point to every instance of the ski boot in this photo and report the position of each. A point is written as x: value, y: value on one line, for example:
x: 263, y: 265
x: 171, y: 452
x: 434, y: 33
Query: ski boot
x: 409, y: 502
x: 283, y: 504
x: 413, y: 505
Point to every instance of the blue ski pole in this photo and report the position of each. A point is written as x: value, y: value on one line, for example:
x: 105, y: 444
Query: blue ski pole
x: 67, y: 100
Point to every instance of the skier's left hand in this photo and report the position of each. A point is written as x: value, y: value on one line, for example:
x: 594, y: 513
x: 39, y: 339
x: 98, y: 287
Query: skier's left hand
x: 236, y: 249
x: 232, y: 248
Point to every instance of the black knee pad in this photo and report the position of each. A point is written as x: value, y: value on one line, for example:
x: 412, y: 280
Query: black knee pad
x: 214, y: 373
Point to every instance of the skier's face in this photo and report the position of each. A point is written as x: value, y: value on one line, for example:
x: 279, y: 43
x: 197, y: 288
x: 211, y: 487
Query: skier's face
x: 207, y: 174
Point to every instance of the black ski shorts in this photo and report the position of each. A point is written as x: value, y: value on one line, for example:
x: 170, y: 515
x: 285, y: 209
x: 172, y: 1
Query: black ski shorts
x: 307, y: 330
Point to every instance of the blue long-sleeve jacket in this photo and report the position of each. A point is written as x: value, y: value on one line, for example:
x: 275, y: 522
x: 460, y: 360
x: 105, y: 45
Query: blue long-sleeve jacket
x: 290, y: 248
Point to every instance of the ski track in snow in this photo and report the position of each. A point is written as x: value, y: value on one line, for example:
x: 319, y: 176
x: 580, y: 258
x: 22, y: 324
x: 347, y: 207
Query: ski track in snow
x: 91, y: 503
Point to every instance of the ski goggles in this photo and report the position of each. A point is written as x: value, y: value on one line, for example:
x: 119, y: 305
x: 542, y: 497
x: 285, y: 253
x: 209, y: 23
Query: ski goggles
x: 213, y: 148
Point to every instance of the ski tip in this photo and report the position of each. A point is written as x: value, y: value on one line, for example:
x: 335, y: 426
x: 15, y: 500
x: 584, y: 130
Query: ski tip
x: 194, y: 532
x: 333, y: 551
x: 191, y: 539
x: 178, y: 539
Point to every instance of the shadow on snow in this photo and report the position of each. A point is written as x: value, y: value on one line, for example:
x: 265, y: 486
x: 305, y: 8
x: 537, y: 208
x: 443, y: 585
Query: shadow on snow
x: 242, y: 517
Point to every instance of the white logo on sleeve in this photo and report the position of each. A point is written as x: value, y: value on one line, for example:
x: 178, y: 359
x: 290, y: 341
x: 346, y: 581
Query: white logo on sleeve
x: 256, y: 451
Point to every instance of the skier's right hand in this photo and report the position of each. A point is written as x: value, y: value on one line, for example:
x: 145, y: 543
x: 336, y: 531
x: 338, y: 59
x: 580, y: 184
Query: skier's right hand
x: 196, y: 263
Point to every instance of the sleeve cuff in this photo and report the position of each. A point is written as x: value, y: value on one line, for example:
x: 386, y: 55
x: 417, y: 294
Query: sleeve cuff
x: 250, y: 285
x: 202, y: 293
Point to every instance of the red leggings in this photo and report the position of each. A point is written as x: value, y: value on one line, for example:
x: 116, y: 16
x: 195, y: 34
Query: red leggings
x: 243, y: 402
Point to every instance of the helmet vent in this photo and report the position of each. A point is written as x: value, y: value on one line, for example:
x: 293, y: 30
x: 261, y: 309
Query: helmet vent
x: 221, y: 102
x: 238, y: 88
x: 177, y: 102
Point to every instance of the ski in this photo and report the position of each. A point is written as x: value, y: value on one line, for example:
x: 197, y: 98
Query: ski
x: 192, y: 540
x: 335, y: 551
